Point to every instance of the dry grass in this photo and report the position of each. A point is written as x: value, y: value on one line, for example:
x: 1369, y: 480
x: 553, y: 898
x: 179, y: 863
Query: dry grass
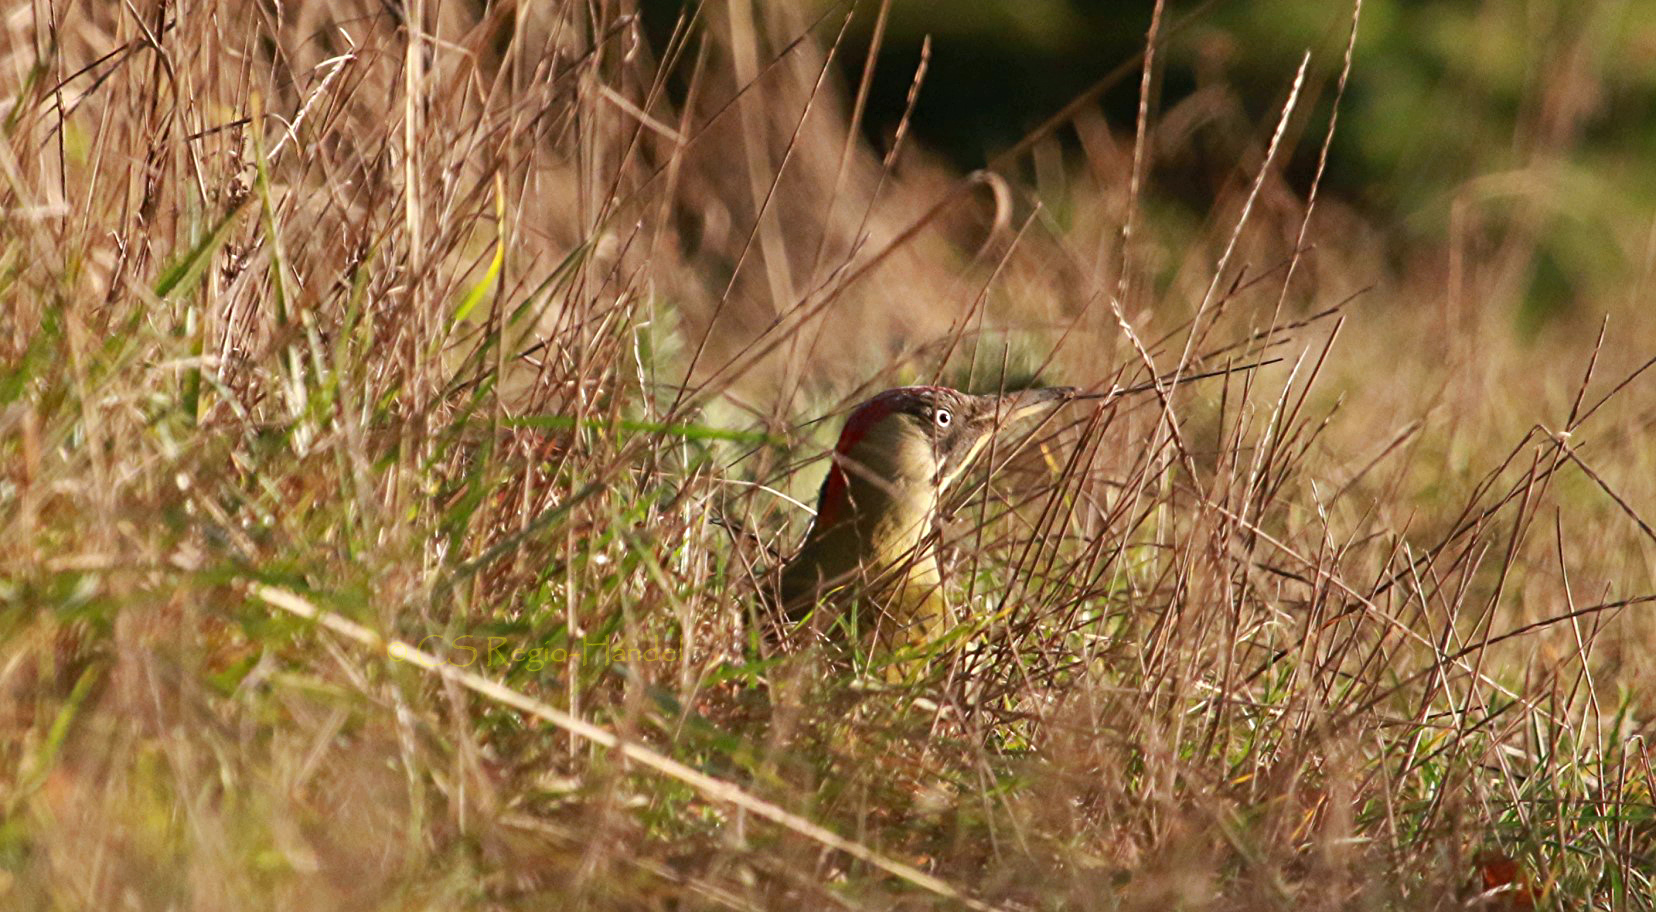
x: 497, y: 334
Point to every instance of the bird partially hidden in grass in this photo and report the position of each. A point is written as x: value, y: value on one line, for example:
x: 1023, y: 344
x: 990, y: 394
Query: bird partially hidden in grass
x: 871, y: 543
x: 896, y: 457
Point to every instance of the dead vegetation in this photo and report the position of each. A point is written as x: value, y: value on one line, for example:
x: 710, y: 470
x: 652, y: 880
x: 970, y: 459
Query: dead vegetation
x: 498, y: 338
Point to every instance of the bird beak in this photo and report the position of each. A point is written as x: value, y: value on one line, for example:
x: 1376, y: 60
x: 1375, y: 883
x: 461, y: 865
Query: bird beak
x: 997, y: 413
x: 1024, y: 403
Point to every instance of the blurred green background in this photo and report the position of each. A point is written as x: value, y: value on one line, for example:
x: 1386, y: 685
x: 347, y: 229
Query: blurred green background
x: 1537, y: 118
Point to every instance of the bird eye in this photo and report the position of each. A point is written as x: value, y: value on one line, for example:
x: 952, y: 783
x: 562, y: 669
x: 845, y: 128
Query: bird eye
x: 942, y: 417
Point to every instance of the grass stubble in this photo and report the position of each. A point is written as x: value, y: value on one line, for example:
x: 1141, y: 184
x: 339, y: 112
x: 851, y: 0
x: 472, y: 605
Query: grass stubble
x: 396, y: 422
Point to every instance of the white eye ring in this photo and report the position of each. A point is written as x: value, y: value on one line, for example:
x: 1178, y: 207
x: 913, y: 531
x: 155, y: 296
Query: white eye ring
x: 942, y: 417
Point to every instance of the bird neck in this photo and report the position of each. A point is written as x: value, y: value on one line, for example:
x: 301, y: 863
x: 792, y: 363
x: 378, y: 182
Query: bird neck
x: 873, y: 518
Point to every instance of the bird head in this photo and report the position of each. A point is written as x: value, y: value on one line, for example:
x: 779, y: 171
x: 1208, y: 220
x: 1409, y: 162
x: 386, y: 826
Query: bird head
x: 917, y: 440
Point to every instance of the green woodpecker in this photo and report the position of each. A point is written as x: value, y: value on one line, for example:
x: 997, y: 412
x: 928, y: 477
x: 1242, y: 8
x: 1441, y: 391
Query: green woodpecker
x: 897, y: 454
